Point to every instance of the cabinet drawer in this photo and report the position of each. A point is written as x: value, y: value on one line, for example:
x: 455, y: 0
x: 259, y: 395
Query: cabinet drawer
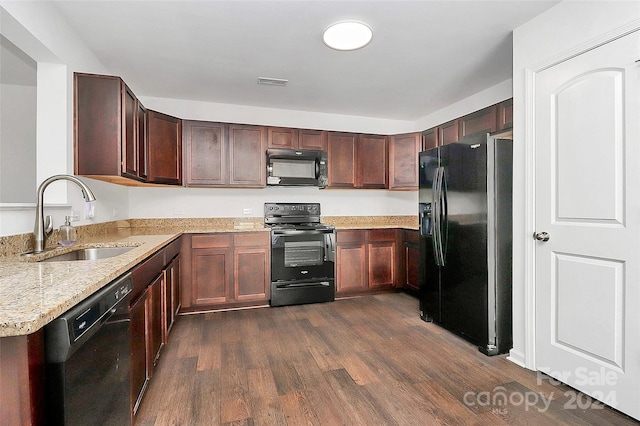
x: 146, y: 272
x: 350, y: 236
x: 171, y: 250
x: 211, y: 241
x: 382, y: 235
x: 251, y: 239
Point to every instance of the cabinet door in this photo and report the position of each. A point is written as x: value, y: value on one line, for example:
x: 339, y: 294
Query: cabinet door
x: 138, y: 345
x: 371, y: 160
x: 251, y: 274
x: 505, y: 115
x: 342, y: 160
x: 382, y: 264
x: 403, y: 161
x: 484, y: 120
x: 278, y: 137
x: 313, y: 140
x: 351, y: 258
x: 143, y: 143
x: 164, y: 134
x: 206, y: 153
x: 167, y: 305
x: 175, y: 288
x: 351, y: 270
x: 247, y: 156
x: 155, y: 325
x: 449, y: 132
x: 129, y: 135
x: 211, y: 276
x: 430, y: 138
x: 412, y: 263
x: 98, y: 125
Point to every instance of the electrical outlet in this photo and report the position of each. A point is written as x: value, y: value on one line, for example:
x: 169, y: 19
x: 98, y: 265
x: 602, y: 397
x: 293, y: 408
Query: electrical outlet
x: 247, y: 211
x: 178, y: 212
x: 75, y: 216
x: 114, y: 213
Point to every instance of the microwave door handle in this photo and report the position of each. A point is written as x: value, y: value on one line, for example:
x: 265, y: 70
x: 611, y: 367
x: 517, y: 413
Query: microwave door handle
x: 317, y: 168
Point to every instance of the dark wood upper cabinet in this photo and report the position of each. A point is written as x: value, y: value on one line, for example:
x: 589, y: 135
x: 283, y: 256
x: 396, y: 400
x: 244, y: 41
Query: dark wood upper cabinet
x: 342, y: 159
x: 227, y: 155
x: 205, y: 153
x: 115, y: 137
x: 247, y: 156
x: 430, y: 138
x: 106, y: 137
x: 449, y: 132
x: 484, y: 120
x: 143, y: 143
x: 357, y: 161
x: 371, y: 160
x: 505, y: 115
x: 313, y: 140
x: 403, y: 161
x: 284, y: 138
x: 164, y: 134
x: 130, y: 139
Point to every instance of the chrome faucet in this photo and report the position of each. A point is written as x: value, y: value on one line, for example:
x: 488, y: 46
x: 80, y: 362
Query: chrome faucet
x: 42, y: 227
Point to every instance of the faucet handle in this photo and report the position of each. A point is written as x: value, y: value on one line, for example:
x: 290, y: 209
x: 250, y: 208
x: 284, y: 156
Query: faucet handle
x: 48, y: 224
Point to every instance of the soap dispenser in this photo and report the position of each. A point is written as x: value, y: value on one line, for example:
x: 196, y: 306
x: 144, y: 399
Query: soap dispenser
x: 68, y: 234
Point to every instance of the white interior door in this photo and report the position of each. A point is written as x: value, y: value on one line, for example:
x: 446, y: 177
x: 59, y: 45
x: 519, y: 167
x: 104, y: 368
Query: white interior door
x: 587, y: 140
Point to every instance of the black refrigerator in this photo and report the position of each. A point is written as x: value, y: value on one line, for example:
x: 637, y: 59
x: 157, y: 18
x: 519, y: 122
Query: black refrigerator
x: 465, y: 211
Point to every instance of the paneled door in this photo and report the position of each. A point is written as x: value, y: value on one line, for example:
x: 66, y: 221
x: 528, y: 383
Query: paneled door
x: 587, y: 156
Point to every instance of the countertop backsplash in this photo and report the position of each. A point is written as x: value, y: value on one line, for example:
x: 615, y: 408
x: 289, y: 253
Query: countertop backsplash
x: 23, y: 243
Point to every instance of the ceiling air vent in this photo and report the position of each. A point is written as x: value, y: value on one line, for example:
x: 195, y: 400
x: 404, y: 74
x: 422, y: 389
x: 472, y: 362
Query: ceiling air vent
x: 272, y: 81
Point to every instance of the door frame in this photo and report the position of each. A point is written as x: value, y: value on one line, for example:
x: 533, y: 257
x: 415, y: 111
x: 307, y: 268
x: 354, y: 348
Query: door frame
x: 528, y: 358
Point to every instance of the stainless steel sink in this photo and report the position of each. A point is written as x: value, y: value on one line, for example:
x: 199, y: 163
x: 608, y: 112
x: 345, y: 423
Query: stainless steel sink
x: 92, y: 253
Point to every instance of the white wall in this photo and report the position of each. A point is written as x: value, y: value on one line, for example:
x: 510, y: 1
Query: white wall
x: 564, y: 30
x: 17, y: 147
x: 225, y: 202
x: 39, y: 31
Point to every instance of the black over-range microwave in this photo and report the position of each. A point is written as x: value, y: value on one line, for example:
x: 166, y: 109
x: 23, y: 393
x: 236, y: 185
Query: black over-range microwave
x: 288, y: 167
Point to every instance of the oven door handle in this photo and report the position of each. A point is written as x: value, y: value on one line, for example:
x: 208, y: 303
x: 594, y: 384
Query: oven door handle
x: 301, y: 231
x: 330, y: 247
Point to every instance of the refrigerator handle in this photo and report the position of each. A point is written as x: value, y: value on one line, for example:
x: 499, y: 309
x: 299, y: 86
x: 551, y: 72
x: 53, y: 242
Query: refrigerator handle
x: 444, y: 222
x: 437, y: 215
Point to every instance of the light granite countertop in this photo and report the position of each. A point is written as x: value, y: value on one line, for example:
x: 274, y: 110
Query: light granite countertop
x: 32, y: 293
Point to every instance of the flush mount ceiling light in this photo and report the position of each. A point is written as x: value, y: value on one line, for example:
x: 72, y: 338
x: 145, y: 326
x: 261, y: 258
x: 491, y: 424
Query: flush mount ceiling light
x: 272, y: 81
x: 347, y: 35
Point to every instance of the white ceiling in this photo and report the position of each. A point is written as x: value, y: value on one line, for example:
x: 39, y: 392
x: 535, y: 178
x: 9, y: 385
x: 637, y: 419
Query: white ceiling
x: 424, y: 55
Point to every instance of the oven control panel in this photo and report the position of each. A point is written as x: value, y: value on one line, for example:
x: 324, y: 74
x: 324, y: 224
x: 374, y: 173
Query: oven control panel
x: 291, y: 213
x: 283, y: 209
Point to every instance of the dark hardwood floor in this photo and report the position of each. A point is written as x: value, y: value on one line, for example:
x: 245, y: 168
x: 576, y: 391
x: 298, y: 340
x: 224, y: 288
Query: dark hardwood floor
x: 360, y: 361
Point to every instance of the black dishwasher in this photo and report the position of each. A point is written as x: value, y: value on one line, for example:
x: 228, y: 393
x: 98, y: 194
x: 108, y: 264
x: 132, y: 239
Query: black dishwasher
x: 87, y: 360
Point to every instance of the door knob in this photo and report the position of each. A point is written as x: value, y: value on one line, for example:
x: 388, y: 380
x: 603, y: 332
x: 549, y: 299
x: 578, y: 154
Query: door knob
x: 541, y: 236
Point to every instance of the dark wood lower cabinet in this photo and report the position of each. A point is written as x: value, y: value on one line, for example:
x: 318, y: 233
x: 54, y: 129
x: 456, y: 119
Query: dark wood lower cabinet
x: 367, y: 260
x: 138, y: 344
x: 411, y: 260
x: 223, y: 270
x: 170, y: 296
x: 153, y: 311
x: 351, y: 262
x: 155, y: 325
